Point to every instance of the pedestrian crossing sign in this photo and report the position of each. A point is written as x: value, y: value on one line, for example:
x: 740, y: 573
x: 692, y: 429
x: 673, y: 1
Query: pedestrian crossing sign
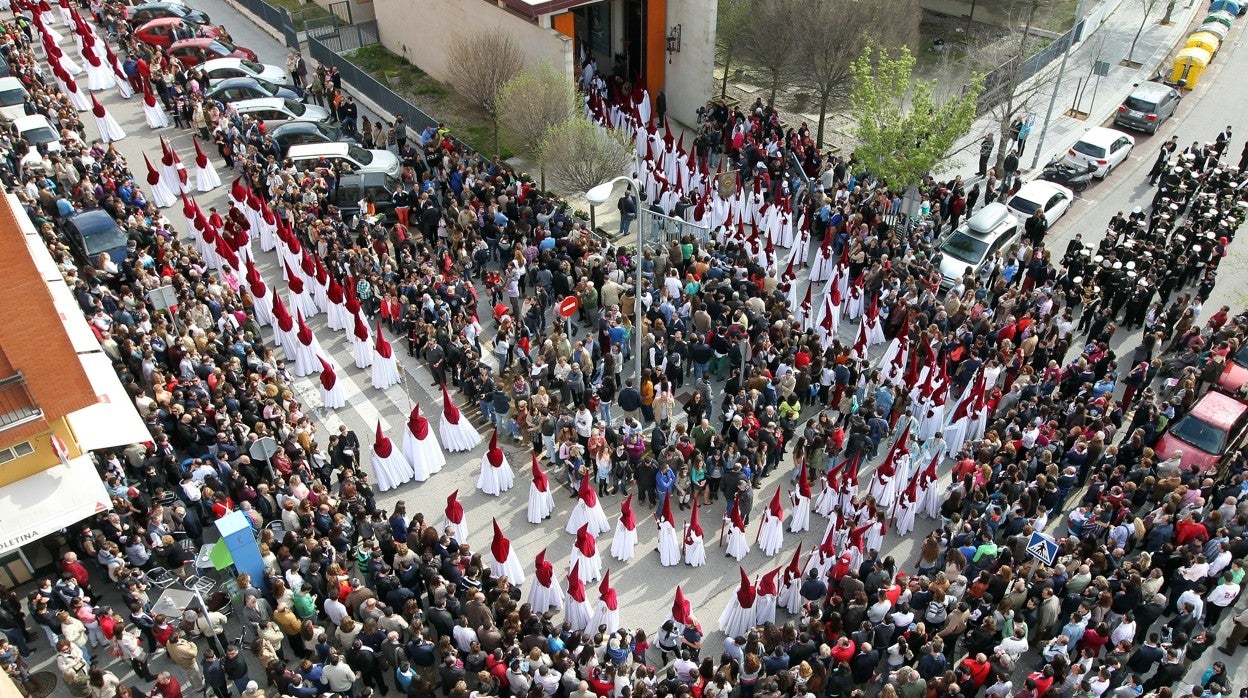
x: 1042, y: 547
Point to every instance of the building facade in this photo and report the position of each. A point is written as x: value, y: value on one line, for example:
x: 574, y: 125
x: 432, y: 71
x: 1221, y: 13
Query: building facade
x: 661, y: 44
x: 60, y: 399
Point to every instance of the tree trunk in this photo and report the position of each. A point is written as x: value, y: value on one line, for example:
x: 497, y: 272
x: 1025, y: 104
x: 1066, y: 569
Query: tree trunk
x: 775, y: 88
x: 497, y: 145
x: 824, y: 97
x: 723, y: 84
x: 1143, y: 21
x: 1169, y: 11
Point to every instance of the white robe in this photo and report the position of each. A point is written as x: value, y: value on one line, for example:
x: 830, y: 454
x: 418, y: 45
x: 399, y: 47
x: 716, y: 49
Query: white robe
x: 736, y: 621
x: 540, y: 504
x: 594, y: 516
x: 764, y: 609
x: 738, y: 547
x: 495, y: 480
x: 624, y: 542
x: 669, y: 545
x: 800, y: 517
x: 771, y: 539
x: 544, y: 598
x: 695, y: 551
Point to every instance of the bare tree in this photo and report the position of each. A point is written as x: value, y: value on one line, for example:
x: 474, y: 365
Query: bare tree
x: 732, y: 25
x: 767, y: 45
x: 530, y: 104
x: 481, y: 62
x: 581, y: 154
x: 1149, y: 6
x: 832, y: 35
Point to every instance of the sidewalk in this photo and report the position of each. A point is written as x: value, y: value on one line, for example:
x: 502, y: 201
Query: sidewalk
x: 1110, y: 43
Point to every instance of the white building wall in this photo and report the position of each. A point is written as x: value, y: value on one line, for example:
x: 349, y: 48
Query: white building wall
x: 689, y: 75
x: 422, y: 31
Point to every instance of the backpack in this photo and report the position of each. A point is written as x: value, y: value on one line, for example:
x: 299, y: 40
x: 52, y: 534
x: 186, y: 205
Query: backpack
x: 937, y: 612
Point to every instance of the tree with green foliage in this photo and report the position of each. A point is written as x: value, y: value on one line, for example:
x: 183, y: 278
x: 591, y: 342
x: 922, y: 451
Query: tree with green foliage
x: 902, y: 131
x: 532, y: 103
x: 580, y: 154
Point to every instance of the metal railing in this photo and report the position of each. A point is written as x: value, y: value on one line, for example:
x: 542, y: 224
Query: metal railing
x: 279, y: 18
x: 1014, y: 72
x: 16, y: 404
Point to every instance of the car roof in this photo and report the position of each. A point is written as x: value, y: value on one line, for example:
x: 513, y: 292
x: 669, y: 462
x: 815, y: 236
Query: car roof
x: 295, y: 126
x: 161, y: 20
x: 260, y: 103
x: 307, y: 150
x: 30, y: 121
x: 365, y: 178
x: 1101, y: 135
x: 223, y: 62
x: 1036, y: 188
x: 193, y: 41
x: 986, y: 221
x: 93, y: 221
x: 1218, y: 409
x: 9, y: 82
x: 1151, y: 90
x: 236, y: 80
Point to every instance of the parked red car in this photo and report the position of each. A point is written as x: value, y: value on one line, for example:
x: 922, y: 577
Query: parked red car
x: 192, y: 52
x: 1216, y: 425
x: 164, y: 31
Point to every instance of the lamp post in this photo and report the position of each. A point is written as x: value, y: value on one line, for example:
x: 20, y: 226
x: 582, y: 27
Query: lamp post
x: 598, y: 195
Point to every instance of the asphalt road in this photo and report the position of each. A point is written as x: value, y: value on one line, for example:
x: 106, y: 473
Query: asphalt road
x: 645, y: 587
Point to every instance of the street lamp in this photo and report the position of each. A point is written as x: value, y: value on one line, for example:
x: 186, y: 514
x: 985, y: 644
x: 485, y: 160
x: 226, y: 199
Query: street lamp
x: 598, y: 195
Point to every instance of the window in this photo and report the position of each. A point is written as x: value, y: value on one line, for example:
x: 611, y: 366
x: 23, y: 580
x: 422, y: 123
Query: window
x: 16, y: 451
x: 16, y: 404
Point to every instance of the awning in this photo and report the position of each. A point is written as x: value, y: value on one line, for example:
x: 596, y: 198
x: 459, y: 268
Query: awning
x: 113, y: 421
x: 48, y: 501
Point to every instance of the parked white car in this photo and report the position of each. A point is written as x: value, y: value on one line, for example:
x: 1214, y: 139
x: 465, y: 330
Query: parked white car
x: 1105, y: 147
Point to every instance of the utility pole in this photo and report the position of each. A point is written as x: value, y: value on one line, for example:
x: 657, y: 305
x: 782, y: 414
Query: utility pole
x: 1057, y: 84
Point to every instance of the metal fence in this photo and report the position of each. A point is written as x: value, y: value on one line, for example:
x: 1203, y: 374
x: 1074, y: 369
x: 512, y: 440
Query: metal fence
x: 341, y: 39
x: 277, y: 17
x: 328, y: 50
x: 1012, y: 73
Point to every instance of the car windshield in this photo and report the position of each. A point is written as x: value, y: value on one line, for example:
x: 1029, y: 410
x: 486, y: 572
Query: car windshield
x: 1090, y: 150
x: 294, y: 107
x: 267, y: 86
x: 104, y: 240
x: 40, y: 135
x: 1241, y: 357
x: 221, y: 47
x: 359, y: 154
x: 1200, y: 434
x: 1139, y: 104
x: 1028, y: 207
x: 967, y: 248
x: 12, y: 97
x: 252, y: 66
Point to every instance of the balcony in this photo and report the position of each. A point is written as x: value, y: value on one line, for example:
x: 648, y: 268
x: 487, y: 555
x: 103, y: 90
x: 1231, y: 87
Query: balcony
x: 16, y: 405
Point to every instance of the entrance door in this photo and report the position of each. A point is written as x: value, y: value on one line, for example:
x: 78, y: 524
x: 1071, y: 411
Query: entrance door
x: 593, y: 32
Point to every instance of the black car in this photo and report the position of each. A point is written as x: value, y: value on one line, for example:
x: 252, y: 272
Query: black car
x: 354, y: 188
x: 306, y: 132
x: 138, y: 15
x: 92, y: 232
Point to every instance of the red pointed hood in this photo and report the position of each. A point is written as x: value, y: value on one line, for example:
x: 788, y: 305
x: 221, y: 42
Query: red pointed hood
x: 695, y: 525
x: 606, y: 593
x: 293, y: 281
x: 382, y: 446
x: 539, y: 477
x: 543, y: 570
x: 500, y: 547
x: 627, y: 517
x: 836, y: 293
x: 794, y: 570
x: 828, y: 546
x: 334, y: 292
x: 201, y: 158
x: 361, y: 330
x: 586, y: 492
x: 454, y: 510
x: 238, y: 190
x: 307, y: 265
x: 745, y: 592
x: 322, y: 274
x: 305, y: 332
x: 666, y: 513
x: 166, y: 152
x: 767, y: 585
x: 495, y: 454
x: 737, y: 522
x: 449, y: 410
x: 585, y: 542
x: 97, y: 109
x: 280, y: 312
x: 911, y: 493
x: 929, y: 473
x: 803, y: 483
x: 417, y: 424
x: 775, y: 508
x: 576, y: 588
x: 153, y: 177
x: 680, y: 608
x: 328, y: 377
x: 381, y: 345
x: 856, y: 536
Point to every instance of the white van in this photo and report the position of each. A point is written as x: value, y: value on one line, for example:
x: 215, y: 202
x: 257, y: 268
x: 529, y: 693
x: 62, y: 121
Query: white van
x: 348, y: 156
x: 12, y: 99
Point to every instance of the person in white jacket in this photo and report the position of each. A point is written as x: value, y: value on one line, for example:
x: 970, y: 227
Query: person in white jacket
x: 1015, y: 645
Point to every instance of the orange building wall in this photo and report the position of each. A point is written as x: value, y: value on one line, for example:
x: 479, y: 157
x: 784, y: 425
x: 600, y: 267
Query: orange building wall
x: 565, y: 24
x: 656, y: 44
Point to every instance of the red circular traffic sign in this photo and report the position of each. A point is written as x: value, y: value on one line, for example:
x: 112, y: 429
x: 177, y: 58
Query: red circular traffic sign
x: 568, y: 306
